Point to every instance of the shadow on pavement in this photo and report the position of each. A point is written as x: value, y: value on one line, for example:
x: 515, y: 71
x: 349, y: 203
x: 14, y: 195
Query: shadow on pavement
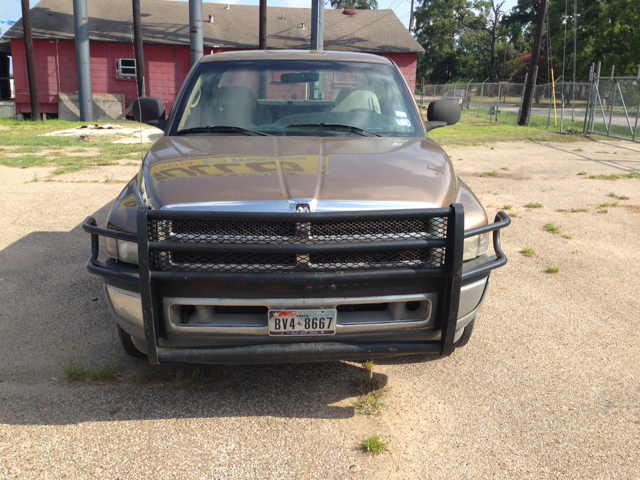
x: 54, y: 312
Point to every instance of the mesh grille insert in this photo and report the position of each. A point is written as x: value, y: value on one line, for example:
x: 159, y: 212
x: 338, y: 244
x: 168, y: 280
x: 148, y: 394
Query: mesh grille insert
x: 289, y: 232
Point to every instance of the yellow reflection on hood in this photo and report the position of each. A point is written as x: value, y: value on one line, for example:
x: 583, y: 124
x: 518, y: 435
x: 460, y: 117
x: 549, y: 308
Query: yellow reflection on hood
x: 206, y: 167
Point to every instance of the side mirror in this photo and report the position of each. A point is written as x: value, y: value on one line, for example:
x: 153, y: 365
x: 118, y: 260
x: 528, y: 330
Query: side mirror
x: 150, y: 110
x: 442, y: 113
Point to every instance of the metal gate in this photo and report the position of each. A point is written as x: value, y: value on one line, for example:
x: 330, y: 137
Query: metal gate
x: 613, y: 108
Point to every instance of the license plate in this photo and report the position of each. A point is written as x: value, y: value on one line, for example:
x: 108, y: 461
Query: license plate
x: 302, y: 322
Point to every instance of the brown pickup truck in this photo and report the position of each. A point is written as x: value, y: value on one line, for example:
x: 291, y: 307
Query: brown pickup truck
x: 295, y: 210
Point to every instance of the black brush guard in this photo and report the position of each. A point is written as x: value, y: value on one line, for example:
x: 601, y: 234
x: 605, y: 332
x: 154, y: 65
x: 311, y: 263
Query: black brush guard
x: 449, y: 274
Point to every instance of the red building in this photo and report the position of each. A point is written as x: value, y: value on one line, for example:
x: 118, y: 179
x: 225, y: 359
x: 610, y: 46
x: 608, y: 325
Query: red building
x: 165, y: 30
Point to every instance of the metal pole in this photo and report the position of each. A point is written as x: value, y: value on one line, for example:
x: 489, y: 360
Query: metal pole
x: 481, y: 93
x: 137, y: 35
x: 575, y: 36
x: 522, y: 94
x: 498, y: 104
x: 588, y: 109
x: 535, y: 81
x: 596, y: 94
x: 263, y: 25
x: 31, y: 65
x: 411, y: 17
x: 467, y: 94
x: 434, y: 89
x: 613, y: 101
x: 422, y: 101
x: 317, y: 25
x: 533, y: 65
x: 83, y: 59
x: 635, y: 128
x: 195, y: 30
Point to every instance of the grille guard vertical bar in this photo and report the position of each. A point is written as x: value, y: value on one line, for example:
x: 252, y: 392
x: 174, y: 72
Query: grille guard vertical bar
x: 453, y: 280
x: 148, y: 296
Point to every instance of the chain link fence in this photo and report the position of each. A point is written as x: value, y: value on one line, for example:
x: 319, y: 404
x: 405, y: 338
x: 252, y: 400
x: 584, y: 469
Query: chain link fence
x: 604, y: 105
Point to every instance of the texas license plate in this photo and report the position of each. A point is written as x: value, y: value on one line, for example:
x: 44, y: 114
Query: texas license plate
x: 302, y: 322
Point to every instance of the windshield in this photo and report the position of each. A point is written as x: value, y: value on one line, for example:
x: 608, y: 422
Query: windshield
x: 295, y: 97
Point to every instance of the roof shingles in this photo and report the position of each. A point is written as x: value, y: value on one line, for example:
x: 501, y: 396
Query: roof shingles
x: 167, y: 22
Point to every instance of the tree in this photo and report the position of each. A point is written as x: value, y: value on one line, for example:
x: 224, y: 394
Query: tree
x: 438, y: 29
x: 483, y: 24
x: 357, y: 4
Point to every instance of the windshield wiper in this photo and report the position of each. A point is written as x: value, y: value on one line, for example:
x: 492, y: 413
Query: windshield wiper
x: 336, y: 126
x: 221, y: 129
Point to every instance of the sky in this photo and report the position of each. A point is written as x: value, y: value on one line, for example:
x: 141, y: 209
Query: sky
x: 11, y: 10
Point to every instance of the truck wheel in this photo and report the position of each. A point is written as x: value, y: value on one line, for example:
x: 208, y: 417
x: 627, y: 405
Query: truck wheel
x: 127, y: 344
x: 466, y: 335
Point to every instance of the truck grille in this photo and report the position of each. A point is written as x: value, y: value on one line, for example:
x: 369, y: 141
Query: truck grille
x: 275, y: 233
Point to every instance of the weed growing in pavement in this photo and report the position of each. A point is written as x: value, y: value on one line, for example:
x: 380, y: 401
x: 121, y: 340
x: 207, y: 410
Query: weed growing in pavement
x: 492, y: 173
x: 618, y: 176
x: 578, y: 150
x: 550, y: 227
x: 504, y: 168
x: 582, y: 173
x: 552, y: 269
x: 528, y: 251
x: 73, y: 368
x: 369, y: 404
x: 602, y: 210
x: 374, y: 444
x: 103, y: 374
x: 507, y: 207
x: 533, y: 205
x: 35, y: 178
x: 619, y: 197
x: 605, y: 205
x: 575, y: 251
x: 573, y: 210
x: 567, y: 236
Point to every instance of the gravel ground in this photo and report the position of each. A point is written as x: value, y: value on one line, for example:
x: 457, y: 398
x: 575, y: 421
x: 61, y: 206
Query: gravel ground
x: 548, y: 386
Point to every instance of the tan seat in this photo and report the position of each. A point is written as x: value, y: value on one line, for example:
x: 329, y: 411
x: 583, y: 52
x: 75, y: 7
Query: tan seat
x: 356, y: 100
x: 238, y: 106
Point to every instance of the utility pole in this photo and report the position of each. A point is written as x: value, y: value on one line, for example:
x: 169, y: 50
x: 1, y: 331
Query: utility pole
x: 263, y: 25
x: 31, y: 64
x: 533, y: 64
x: 195, y: 30
x: 137, y: 35
x: 317, y: 25
x: 411, y: 17
x: 83, y: 59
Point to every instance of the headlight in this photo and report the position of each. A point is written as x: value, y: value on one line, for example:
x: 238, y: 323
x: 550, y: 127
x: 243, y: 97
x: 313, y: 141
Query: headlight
x: 122, y: 250
x: 475, y: 246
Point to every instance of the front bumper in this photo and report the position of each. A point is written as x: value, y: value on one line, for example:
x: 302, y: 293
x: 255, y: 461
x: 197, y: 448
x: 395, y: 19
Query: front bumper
x: 141, y: 300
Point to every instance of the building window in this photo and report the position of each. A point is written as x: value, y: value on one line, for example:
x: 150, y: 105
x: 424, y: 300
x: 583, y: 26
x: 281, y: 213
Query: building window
x: 126, y: 67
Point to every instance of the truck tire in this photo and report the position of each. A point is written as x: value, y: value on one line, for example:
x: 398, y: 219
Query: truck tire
x: 128, y: 346
x: 466, y: 335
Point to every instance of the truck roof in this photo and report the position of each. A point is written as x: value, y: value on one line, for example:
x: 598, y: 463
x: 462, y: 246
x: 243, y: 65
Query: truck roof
x: 295, y: 55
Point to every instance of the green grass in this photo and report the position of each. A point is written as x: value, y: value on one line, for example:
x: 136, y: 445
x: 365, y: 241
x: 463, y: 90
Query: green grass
x: 374, y: 444
x: 619, y: 197
x: 533, y: 205
x: 471, y: 130
x: 490, y: 174
x: 619, y: 176
x: 550, y: 227
x: 507, y: 207
x: 573, y: 210
x: 552, y: 269
x: 528, y: 251
x: 581, y: 173
x: 371, y: 390
x: 27, y: 136
x: 106, y: 373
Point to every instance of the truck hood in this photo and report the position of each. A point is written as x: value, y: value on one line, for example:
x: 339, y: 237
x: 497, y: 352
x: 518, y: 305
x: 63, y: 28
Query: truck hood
x: 277, y: 173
